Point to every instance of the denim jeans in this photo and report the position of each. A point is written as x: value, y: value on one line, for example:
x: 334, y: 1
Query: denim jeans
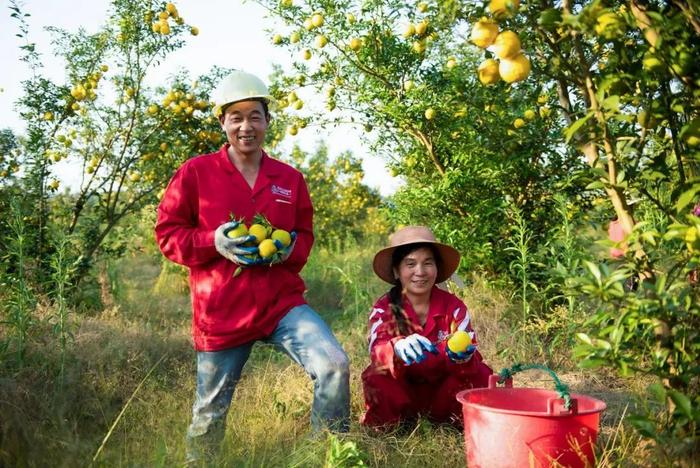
x: 304, y: 337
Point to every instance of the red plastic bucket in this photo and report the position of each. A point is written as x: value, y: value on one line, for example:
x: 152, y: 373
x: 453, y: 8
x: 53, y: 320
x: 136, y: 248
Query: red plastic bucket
x: 528, y: 427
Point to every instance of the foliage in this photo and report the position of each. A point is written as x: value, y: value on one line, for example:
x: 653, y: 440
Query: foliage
x: 344, y: 208
x: 418, y: 99
x: 614, y: 86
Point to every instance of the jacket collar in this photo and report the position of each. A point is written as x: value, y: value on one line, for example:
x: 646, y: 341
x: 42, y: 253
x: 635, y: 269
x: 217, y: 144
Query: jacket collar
x: 269, y: 168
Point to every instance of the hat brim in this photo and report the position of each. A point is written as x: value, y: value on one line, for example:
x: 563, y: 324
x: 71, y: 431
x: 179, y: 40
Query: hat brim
x: 447, y: 263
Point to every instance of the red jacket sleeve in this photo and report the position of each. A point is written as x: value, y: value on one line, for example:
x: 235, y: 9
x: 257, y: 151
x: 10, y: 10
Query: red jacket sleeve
x: 177, y: 232
x: 303, y: 226
x: 383, y: 334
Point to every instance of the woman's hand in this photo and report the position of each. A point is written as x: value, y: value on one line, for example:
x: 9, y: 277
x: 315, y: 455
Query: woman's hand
x: 411, y: 350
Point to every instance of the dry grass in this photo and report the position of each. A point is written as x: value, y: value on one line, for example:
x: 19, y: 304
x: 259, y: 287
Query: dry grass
x: 49, y: 423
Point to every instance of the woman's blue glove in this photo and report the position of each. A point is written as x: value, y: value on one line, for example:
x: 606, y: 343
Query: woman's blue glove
x: 233, y: 248
x: 462, y: 357
x: 411, y: 349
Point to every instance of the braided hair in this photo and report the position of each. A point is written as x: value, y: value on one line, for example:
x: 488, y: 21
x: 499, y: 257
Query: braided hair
x: 396, y: 291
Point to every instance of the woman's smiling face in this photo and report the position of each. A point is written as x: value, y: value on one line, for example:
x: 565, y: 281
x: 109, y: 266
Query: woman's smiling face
x: 417, y: 271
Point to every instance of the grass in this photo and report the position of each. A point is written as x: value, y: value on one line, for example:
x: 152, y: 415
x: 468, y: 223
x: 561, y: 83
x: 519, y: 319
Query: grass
x: 128, y: 382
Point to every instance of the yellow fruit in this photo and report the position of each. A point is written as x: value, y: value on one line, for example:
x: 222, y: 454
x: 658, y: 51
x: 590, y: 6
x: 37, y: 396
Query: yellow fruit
x: 164, y: 28
x: 321, y: 41
x: 529, y: 114
x: 308, y: 25
x: 514, y: 69
x: 267, y: 248
x: 294, y: 37
x: 451, y: 63
x: 104, y: 68
x: 277, y: 39
x: 317, y: 20
x: 419, y: 47
x: 488, y: 72
x: 54, y: 184
x: 134, y: 177
x: 152, y: 109
x: 351, y: 18
x: 484, y: 33
x: 518, y: 123
x: 164, y: 15
x: 48, y: 116
x: 239, y: 231
x: 259, y: 231
x: 422, y: 7
x: 506, y: 45
x: 306, y: 54
x: 429, y: 113
x: 421, y: 28
x: 286, y: 3
x: 459, y: 341
x: 282, y: 236
x: 298, y: 104
x: 542, y: 99
x: 408, y: 85
x: 502, y: 8
x: 355, y: 43
x: 292, y: 130
x: 545, y: 111
x: 170, y: 8
x: 409, y: 31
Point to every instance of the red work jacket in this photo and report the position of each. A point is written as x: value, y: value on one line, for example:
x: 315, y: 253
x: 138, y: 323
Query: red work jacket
x: 445, y: 310
x: 203, y: 194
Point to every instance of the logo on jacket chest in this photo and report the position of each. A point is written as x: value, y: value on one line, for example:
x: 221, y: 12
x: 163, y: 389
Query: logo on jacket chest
x: 281, y: 191
x: 442, y: 334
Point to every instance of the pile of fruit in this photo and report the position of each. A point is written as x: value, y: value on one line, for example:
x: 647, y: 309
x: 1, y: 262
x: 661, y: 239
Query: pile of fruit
x: 264, y: 236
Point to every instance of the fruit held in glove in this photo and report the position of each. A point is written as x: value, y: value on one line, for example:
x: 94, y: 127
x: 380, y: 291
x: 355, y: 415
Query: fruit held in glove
x: 459, y: 342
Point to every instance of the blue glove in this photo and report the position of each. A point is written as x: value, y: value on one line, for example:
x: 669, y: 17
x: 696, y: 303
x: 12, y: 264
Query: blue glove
x: 411, y: 350
x: 462, y: 357
x: 233, y: 249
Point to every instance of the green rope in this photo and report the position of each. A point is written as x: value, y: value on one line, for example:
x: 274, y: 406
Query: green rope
x: 561, y: 389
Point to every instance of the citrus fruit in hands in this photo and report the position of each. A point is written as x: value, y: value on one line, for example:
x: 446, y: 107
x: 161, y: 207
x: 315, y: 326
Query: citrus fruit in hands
x: 282, y: 236
x: 267, y: 248
x: 259, y: 231
x: 239, y: 231
x: 459, y: 341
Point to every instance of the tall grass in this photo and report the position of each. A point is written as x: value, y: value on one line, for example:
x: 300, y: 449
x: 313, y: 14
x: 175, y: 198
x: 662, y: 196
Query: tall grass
x: 19, y: 298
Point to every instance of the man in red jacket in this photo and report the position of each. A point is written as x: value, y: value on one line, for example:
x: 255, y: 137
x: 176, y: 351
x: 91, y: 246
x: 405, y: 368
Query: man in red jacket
x: 266, y: 300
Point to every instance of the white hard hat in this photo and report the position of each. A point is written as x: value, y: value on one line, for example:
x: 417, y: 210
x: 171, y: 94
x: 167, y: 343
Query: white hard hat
x: 238, y: 86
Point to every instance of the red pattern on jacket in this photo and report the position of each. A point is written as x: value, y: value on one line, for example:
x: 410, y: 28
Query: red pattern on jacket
x: 203, y: 194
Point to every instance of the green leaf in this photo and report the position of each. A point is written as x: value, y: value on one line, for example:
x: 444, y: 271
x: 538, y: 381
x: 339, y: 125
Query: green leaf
x: 574, y: 127
x: 644, y: 425
x: 584, y: 338
x: 657, y: 391
x: 682, y: 402
x: 686, y: 197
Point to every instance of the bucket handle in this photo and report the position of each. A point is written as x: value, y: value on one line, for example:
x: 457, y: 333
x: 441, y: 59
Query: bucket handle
x: 557, y: 406
x: 506, y: 377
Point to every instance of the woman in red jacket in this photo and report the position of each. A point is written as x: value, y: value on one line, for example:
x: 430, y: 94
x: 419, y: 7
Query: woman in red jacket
x: 412, y: 372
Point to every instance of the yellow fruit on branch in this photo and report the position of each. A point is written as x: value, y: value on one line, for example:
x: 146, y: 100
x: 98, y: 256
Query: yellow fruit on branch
x: 483, y: 33
x: 514, y: 69
x: 430, y: 113
x: 502, y: 8
x: 488, y: 72
x: 294, y: 37
x: 317, y: 20
x: 267, y: 248
x: 409, y: 31
x: 421, y: 28
x: 321, y: 41
x: 506, y: 45
x: 355, y: 43
x: 459, y: 341
x: 530, y: 114
x: 518, y: 123
x: 306, y: 54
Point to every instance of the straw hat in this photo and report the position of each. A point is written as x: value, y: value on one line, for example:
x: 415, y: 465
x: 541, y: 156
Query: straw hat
x: 447, y: 263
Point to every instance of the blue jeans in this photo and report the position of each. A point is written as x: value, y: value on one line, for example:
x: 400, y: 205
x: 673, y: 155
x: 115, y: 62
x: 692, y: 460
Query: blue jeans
x: 304, y: 337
